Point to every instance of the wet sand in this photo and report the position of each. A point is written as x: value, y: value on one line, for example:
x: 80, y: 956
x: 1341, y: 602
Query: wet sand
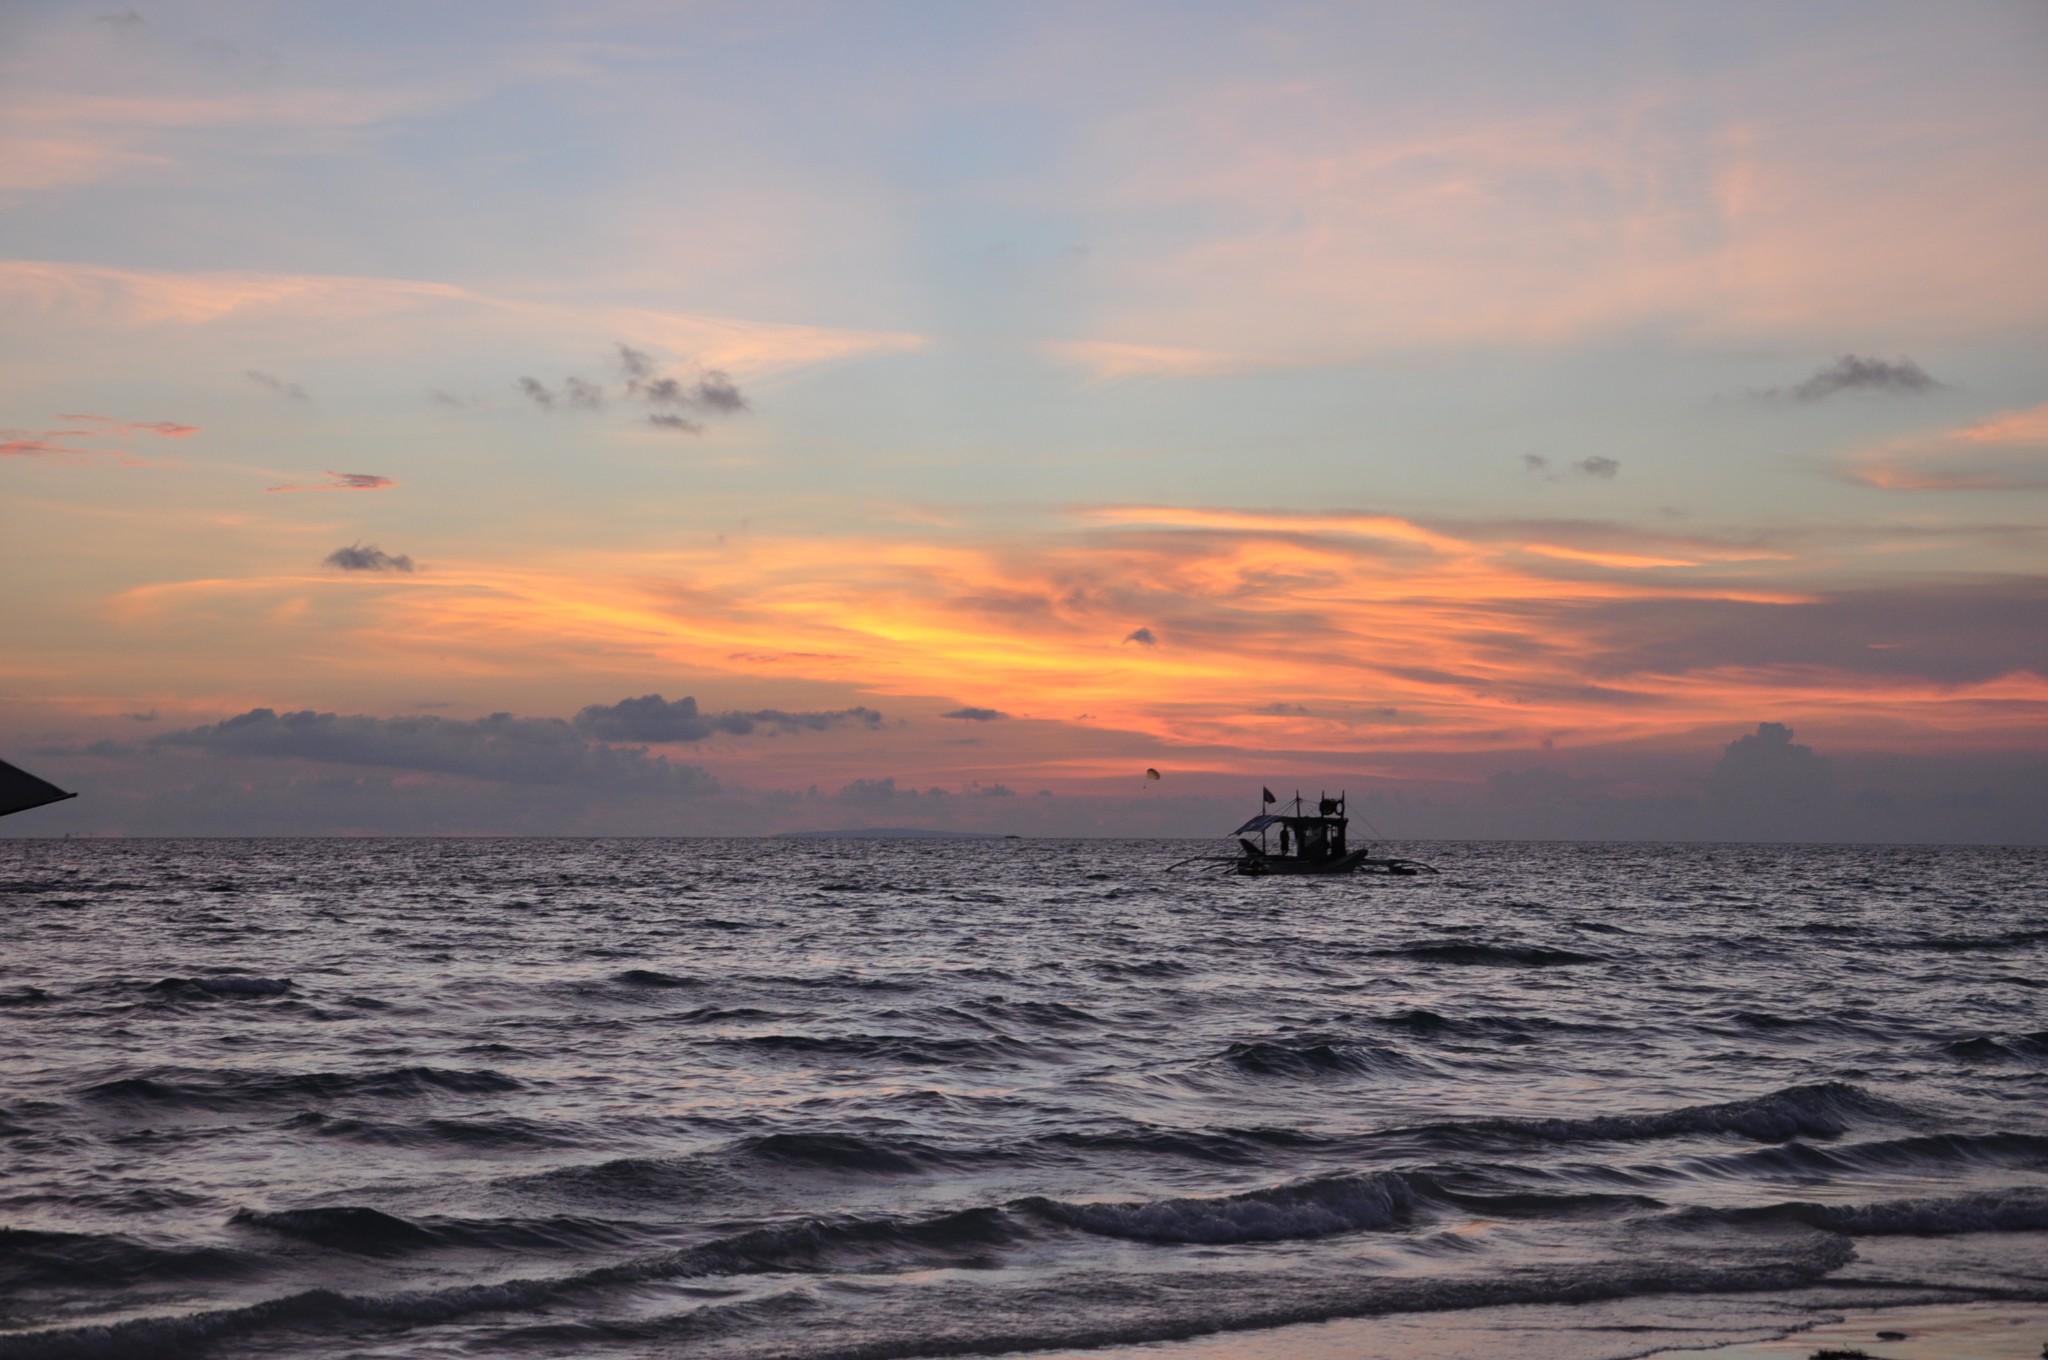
x: 1677, y: 1329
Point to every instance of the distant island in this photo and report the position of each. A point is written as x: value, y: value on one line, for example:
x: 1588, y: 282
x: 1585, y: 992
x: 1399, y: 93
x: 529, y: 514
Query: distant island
x: 892, y: 833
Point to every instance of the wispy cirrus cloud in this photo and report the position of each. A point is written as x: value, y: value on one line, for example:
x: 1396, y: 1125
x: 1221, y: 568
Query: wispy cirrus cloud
x: 283, y: 387
x: 343, y: 481
x: 2005, y: 452
x: 386, y: 311
x: 84, y: 438
x: 169, y: 429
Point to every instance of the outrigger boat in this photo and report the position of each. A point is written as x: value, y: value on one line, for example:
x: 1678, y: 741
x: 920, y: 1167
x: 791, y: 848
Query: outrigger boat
x: 1309, y: 843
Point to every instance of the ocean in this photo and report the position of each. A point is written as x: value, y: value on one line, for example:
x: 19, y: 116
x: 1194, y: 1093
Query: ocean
x: 857, y: 1098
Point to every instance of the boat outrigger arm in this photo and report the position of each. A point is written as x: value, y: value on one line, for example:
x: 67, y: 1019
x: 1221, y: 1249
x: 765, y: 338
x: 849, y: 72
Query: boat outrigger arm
x: 1309, y: 843
x: 20, y: 790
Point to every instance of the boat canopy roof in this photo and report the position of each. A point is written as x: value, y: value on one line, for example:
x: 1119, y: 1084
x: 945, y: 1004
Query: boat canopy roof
x: 1266, y: 819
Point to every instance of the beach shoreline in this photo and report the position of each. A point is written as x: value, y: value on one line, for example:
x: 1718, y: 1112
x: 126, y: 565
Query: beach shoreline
x: 1708, y: 1328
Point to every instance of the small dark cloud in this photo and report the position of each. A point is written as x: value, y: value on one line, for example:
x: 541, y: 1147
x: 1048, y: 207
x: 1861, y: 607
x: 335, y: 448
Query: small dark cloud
x: 673, y: 403
x: 361, y: 557
x: 1281, y: 710
x: 976, y: 714
x: 150, y: 716
x: 716, y: 392
x: 637, y: 365
x: 1858, y: 373
x: 996, y: 791
x: 1536, y: 465
x: 127, y: 18
x: 440, y: 397
x: 655, y: 719
x: 1142, y: 636
x: 282, y: 386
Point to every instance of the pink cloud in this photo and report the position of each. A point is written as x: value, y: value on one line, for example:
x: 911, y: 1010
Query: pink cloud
x: 2006, y: 452
x: 22, y: 444
x: 344, y: 481
x: 169, y: 429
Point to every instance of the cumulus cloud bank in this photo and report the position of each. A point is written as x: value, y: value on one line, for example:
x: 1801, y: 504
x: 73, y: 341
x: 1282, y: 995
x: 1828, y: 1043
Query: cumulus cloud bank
x: 501, y: 748
x: 1767, y: 769
x: 653, y: 718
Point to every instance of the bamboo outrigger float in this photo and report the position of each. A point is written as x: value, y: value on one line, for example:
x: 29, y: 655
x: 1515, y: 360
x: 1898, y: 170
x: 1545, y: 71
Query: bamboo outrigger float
x: 1309, y: 843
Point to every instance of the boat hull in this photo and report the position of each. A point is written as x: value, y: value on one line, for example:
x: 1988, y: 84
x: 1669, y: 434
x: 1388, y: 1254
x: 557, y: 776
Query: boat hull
x: 1257, y: 865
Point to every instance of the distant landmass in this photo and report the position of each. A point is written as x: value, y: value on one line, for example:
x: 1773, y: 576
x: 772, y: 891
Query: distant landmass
x: 892, y: 833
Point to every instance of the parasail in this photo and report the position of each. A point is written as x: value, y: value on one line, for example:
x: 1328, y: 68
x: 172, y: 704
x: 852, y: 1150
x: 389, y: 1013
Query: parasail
x: 1151, y: 774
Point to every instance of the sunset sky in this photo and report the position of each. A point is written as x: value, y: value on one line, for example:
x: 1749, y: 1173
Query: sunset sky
x: 1538, y: 420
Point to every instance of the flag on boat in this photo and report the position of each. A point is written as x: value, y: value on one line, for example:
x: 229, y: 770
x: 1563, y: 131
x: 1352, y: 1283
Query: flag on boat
x: 1151, y: 773
x: 1266, y: 796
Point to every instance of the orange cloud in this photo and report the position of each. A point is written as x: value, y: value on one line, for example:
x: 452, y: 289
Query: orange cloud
x: 2007, y: 452
x: 1360, y: 634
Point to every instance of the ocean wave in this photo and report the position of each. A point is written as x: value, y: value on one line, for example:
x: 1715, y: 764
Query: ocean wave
x: 2020, y: 1209
x: 1231, y: 1147
x: 1970, y: 944
x: 909, y: 1049
x: 962, y: 1239
x: 1925, y: 1154
x: 1310, y: 1056
x: 648, y: 977
x: 344, y: 1227
x: 373, y: 1232
x: 31, y: 1259
x: 225, y: 986
x: 1825, y: 1109
x: 199, y: 1088
x: 1508, y: 1028
x: 1174, y: 1305
x: 625, y: 1181
x: 1488, y: 955
x: 1322, y: 1207
x: 2031, y: 1049
x: 481, y: 1133
x: 844, y: 1152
